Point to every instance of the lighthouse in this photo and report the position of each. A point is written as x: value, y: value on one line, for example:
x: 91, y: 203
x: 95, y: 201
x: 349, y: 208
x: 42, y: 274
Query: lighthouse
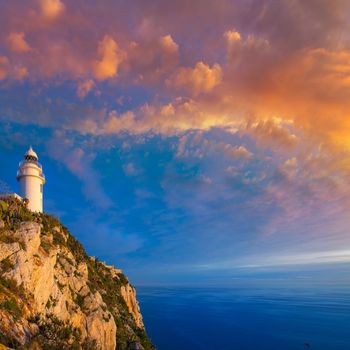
x: 31, y: 180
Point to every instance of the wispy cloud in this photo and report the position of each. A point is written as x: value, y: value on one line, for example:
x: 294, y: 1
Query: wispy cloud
x: 272, y: 261
x: 79, y: 163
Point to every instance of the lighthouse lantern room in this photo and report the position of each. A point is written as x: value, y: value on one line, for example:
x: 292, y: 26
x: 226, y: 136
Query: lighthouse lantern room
x: 31, y: 181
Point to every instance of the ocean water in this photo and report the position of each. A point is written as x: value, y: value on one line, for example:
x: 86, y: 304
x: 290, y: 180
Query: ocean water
x: 247, y: 317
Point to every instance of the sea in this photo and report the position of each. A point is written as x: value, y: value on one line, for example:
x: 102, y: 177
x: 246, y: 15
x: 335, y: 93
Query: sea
x: 247, y: 316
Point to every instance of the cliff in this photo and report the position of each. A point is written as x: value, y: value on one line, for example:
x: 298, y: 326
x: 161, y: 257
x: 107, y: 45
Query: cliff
x: 54, y: 296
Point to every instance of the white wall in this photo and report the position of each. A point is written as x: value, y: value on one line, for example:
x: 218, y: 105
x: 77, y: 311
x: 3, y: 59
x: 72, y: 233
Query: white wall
x: 30, y: 186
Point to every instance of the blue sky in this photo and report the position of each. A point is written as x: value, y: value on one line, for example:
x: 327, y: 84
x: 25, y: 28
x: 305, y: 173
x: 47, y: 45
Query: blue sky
x: 186, y: 151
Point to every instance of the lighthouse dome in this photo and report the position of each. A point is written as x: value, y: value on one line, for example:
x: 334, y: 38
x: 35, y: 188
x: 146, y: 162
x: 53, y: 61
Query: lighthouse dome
x: 30, y: 154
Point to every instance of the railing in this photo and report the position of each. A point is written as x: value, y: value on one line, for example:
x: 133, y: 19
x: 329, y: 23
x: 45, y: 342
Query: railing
x: 19, y: 173
x: 23, y: 162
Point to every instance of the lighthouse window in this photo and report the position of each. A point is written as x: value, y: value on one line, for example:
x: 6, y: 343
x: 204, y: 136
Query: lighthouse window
x: 41, y: 188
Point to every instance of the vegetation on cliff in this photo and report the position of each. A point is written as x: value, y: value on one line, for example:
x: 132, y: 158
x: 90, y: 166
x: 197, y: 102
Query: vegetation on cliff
x: 96, y: 297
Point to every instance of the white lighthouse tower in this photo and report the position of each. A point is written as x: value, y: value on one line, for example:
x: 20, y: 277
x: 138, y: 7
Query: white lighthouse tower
x: 31, y: 181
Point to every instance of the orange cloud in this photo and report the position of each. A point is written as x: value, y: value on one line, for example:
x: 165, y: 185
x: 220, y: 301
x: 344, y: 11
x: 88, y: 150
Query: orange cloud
x: 51, y: 9
x: 4, y: 67
x: 17, y: 42
x: 111, y: 56
x: 168, y: 119
x: 168, y: 44
x: 201, y: 78
x: 312, y: 88
x: 232, y: 37
x: 270, y: 131
x: 299, y: 78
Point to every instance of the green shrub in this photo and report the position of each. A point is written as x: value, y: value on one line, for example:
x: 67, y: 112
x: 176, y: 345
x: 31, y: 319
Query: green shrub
x: 49, y: 222
x: 77, y: 249
x: 11, y: 285
x: 58, y: 239
x: 6, y: 265
x: 10, y: 341
x: 13, y: 212
x: 34, y: 318
x: 123, y: 279
x: 11, y: 306
x: 55, y: 334
x: 7, y: 237
x: 79, y: 300
x: 45, y: 245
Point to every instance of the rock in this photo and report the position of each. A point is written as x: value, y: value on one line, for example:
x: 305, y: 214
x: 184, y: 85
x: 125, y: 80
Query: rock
x: 55, y: 280
x: 129, y: 295
x: 9, y: 249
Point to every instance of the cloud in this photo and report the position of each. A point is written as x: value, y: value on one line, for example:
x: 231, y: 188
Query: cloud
x: 289, y: 168
x: 237, y: 152
x: 84, y: 87
x: 271, y: 131
x: 201, y: 78
x: 165, y: 119
x: 232, y: 37
x: 7, y: 70
x: 238, y: 48
x: 79, y: 163
x: 111, y: 56
x: 20, y: 72
x: 130, y: 170
x: 270, y: 261
x: 168, y: 44
x: 151, y: 60
x: 275, y: 85
x: 17, y: 42
x: 51, y: 9
x: 4, y: 67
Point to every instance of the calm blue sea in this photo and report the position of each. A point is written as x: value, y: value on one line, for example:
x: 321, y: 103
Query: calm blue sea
x: 247, y: 317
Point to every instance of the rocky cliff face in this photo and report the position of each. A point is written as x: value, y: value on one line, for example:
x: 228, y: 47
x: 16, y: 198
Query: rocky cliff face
x: 53, y: 296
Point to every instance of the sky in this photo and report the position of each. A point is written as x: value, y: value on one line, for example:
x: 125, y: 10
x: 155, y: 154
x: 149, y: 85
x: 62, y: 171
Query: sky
x: 185, y: 141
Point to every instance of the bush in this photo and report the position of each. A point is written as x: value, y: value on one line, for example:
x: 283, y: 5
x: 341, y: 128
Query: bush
x: 55, y: 334
x: 13, y: 212
x: 6, y: 265
x: 7, y: 237
x: 79, y: 300
x: 58, y: 239
x: 10, y: 284
x: 49, y: 222
x: 77, y: 249
x: 11, y: 306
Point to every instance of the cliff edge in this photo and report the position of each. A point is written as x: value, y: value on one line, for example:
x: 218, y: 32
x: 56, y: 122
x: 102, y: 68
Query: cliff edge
x: 54, y: 296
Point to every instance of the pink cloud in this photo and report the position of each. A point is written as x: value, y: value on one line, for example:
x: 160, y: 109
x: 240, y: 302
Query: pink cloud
x: 51, y: 9
x: 17, y: 42
x: 201, y: 78
x: 111, y: 56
